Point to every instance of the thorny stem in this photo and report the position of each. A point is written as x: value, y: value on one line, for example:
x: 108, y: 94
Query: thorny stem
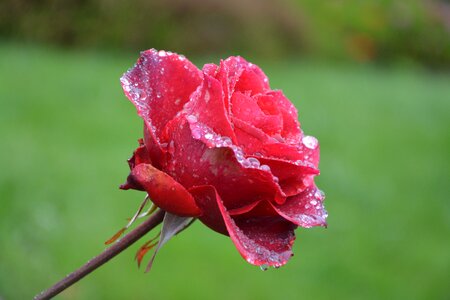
x: 103, y: 257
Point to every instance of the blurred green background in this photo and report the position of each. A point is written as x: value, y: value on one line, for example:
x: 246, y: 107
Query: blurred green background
x: 370, y: 79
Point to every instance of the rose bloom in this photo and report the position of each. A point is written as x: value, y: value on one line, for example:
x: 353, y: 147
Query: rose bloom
x: 221, y: 146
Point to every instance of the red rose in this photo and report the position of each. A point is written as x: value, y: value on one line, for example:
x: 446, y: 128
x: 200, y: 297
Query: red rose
x: 221, y: 146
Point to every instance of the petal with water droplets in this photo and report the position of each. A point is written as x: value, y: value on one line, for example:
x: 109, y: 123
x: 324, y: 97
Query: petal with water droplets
x: 246, y: 109
x: 291, y: 127
x: 293, y: 176
x: 159, y: 85
x: 215, y: 161
x: 245, y: 76
x: 305, y: 209
x: 260, y: 240
x: 206, y: 106
x: 251, y: 139
x: 205, y: 197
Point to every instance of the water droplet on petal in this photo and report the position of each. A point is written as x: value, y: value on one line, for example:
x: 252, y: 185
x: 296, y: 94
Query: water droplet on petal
x: 227, y: 141
x: 310, y: 142
x: 265, y: 168
x: 196, y: 134
x: 191, y: 119
x: 171, y: 147
x: 254, y: 162
x: 319, y: 195
x: 246, y: 163
x: 207, y: 96
x: 263, y: 267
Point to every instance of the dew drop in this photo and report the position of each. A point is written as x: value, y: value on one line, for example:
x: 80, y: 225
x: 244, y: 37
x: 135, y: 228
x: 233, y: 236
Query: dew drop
x: 263, y: 267
x: 246, y: 163
x: 227, y: 141
x: 196, y: 134
x: 208, y: 136
x: 319, y: 195
x: 264, y: 168
x: 191, y: 119
x: 254, y: 162
x: 171, y: 147
x: 207, y: 96
x: 310, y: 142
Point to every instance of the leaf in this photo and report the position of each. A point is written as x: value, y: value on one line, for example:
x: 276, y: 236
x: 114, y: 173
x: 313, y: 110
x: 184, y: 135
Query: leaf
x: 172, y: 225
x: 143, y: 250
x: 117, y: 235
x: 136, y: 215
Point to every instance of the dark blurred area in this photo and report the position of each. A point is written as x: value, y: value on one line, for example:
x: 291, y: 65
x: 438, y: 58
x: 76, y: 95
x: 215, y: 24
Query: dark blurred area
x: 380, y: 31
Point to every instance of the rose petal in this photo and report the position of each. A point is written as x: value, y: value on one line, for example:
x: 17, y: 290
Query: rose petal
x: 291, y: 127
x: 140, y: 155
x: 250, y: 138
x: 202, y: 157
x: 282, y: 151
x: 210, y: 69
x: 305, y: 209
x: 259, y: 209
x: 206, y: 105
x: 260, y: 241
x: 263, y: 240
x: 310, y: 149
x: 164, y: 191
x: 254, y: 141
x: 246, y: 109
x: 250, y: 77
x: 205, y: 197
x: 293, y: 176
x: 159, y: 85
x: 294, y: 166
x: 235, y: 73
x: 228, y: 74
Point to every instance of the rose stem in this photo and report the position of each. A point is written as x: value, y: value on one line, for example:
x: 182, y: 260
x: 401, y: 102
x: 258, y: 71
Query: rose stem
x: 103, y: 257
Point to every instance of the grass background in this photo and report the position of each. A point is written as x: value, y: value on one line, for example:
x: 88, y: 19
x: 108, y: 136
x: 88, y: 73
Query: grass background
x: 66, y: 131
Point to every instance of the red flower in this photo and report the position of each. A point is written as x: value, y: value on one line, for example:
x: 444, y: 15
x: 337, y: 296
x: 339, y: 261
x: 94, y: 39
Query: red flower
x: 221, y: 146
